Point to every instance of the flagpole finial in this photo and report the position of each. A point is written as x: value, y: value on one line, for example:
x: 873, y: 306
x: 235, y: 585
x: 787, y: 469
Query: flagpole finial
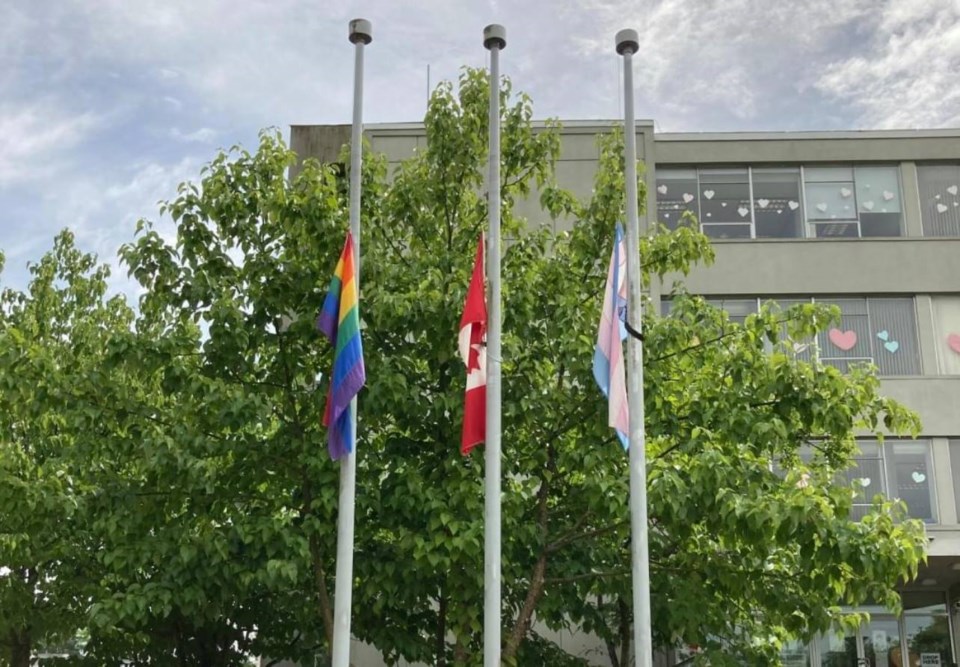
x: 361, y: 30
x: 495, y: 35
x: 627, y: 41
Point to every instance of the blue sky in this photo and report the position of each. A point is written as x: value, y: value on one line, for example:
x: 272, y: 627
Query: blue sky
x: 105, y: 105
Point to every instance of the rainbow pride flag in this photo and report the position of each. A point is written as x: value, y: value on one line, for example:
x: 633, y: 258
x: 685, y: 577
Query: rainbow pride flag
x: 339, y: 320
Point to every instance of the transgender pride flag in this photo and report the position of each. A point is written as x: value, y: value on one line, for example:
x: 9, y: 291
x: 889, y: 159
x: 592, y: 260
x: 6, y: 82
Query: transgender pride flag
x: 608, y: 364
x: 339, y: 320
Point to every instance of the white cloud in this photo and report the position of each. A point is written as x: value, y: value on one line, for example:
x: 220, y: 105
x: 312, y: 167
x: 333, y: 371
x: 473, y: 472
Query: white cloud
x: 204, y: 135
x: 35, y: 138
x: 907, y: 78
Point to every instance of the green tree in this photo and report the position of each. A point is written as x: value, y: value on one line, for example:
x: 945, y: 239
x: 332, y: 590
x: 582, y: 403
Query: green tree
x: 50, y: 335
x: 236, y: 499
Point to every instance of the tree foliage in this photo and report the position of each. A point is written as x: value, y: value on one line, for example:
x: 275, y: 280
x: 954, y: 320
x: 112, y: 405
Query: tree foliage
x: 210, y: 502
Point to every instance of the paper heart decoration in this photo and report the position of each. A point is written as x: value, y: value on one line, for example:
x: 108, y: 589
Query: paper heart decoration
x: 953, y: 342
x: 952, y: 189
x: 883, y: 335
x: 794, y: 205
x: 709, y: 215
x: 941, y: 208
x: 662, y: 189
x: 936, y: 197
x: 864, y: 481
x: 800, y: 347
x: 724, y: 204
x: 687, y: 197
x: 743, y: 211
x: 887, y: 195
x: 845, y: 192
x: 822, y: 207
x: 779, y: 211
x: 709, y: 194
x: 918, y: 477
x: 763, y: 202
x: 868, y: 205
x: 845, y: 340
x: 666, y: 215
x: 892, y: 346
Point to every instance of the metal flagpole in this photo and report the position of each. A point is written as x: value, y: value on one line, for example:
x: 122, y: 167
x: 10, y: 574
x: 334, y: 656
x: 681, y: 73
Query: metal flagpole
x: 628, y: 42
x: 495, y: 39
x: 361, y: 34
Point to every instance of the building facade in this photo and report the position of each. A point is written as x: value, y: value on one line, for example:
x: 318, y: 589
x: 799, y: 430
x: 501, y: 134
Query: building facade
x: 868, y: 221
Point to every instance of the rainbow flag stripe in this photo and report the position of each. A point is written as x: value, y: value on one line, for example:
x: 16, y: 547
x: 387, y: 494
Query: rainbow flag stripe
x: 339, y: 320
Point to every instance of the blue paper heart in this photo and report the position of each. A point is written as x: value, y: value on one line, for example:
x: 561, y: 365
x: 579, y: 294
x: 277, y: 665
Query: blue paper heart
x: 892, y: 346
x: 883, y: 335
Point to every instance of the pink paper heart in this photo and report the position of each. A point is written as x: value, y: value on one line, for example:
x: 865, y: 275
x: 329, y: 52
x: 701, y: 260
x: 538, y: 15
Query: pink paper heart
x: 953, y: 340
x: 845, y: 340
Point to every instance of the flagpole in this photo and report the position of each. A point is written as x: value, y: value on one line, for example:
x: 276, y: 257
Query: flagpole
x: 628, y: 42
x: 494, y: 39
x: 361, y: 34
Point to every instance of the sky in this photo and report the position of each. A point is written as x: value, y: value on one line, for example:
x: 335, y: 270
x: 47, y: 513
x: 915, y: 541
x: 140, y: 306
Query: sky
x: 106, y: 105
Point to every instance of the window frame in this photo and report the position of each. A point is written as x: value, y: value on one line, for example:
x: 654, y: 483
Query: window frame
x: 808, y: 227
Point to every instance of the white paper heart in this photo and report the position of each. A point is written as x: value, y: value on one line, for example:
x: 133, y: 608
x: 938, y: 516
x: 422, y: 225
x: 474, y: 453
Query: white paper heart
x: 887, y: 195
x: 864, y: 481
x: 822, y: 207
x: 709, y: 194
x: 794, y: 205
x: 952, y: 189
x: 763, y: 202
x: 845, y: 192
x: 779, y: 211
x: 687, y: 197
x: 936, y: 196
x: 868, y: 205
x: 918, y: 477
x: 941, y: 208
x: 800, y: 347
x: 709, y: 215
x: 724, y: 204
x: 662, y: 189
x: 743, y: 212
x: 666, y: 215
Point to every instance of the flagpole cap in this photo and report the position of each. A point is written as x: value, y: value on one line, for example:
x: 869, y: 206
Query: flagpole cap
x: 361, y: 31
x: 628, y: 41
x: 495, y: 35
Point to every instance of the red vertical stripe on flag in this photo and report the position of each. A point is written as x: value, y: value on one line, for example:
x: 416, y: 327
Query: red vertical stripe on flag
x: 473, y: 350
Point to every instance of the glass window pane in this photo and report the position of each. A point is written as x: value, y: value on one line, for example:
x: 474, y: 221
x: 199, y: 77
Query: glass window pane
x: 849, y: 341
x: 928, y: 635
x: 866, y: 478
x: 940, y: 199
x: 676, y: 194
x: 777, y: 203
x: 946, y: 317
x: 730, y: 231
x: 831, y: 201
x: 880, y: 224
x: 824, y: 230
x: 827, y: 174
x: 909, y: 470
x: 878, y: 189
x: 893, y: 331
x: 725, y: 197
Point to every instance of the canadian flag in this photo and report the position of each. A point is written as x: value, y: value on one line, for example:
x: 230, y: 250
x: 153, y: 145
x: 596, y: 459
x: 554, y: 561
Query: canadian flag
x: 473, y: 351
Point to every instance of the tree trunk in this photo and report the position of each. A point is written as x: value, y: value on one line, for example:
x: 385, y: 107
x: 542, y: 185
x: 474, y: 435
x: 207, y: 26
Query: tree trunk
x: 460, y: 655
x: 442, y: 627
x: 20, y: 648
x: 610, y: 644
x: 320, y: 584
x: 525, y: 616
x: 624, y: 614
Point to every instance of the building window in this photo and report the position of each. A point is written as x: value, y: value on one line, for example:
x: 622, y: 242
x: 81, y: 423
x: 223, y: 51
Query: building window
x: 954, y: 445
x: 899, y: 469
x: 946, y: 317
x: 766, y: 202
x: 939, y: 187
x: 873, y: 330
